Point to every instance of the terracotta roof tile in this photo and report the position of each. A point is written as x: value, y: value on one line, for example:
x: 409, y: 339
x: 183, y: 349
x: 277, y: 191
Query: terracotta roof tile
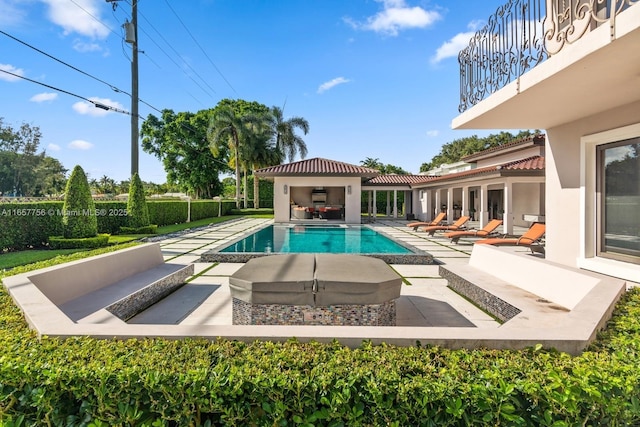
x: 523, y: 166
x: 317, y: 166
x: 530, y: 164
x: 535, y: 139
x: 398, y: 179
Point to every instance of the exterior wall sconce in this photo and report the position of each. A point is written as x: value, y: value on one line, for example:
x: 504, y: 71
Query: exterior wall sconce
x: 285, y: 188
x: 348, y: 189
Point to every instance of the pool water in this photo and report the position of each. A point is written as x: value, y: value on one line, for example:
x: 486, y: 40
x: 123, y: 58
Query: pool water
x: 317, y: 239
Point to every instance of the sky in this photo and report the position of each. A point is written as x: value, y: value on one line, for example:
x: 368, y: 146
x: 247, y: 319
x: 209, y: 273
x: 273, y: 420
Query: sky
x: 375, y: 79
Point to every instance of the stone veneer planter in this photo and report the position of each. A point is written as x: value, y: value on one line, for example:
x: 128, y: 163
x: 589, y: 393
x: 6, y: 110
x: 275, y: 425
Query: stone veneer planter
x: 245, y: 313
x: 320, y: 289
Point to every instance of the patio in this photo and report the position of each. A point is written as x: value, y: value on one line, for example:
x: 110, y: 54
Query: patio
x: 428, y: 310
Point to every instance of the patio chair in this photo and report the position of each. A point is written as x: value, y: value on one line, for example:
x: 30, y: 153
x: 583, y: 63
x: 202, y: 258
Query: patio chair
x: 531, y: 238
x: 458, y: 225
x: 436, y: 221
x: 486, y: 231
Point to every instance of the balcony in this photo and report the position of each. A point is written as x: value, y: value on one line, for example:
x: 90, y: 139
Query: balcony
x: 539, y: 64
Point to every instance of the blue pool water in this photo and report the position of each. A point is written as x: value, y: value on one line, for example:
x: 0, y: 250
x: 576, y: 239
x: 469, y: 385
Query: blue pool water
x: 317, y: 239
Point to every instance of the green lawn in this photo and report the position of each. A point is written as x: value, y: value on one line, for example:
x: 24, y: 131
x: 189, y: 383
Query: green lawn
x: 16, y: 259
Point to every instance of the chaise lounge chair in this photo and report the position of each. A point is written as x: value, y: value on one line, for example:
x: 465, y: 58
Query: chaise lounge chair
x: 436, y: 221
x: 486, y: 231
x: 456, y: 226
x: 531, y: 239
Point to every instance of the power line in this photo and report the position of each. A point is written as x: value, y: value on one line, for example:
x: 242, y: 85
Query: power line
x: 112, y: 87
x: 201, y: 49
x: 96, y: 104
x: 179, y: 56
x: 94, y: 18
x: 163, y: 51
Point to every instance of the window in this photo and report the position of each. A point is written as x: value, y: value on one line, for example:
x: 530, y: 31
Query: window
x: 618, y: 200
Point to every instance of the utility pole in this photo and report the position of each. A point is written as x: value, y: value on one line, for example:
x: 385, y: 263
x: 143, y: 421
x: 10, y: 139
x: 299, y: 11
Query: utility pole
x: 131, y: 36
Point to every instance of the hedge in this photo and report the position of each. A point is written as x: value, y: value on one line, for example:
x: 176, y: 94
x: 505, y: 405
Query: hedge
x: 79, y: 219
x: 29, y: 225
x: 194, y: 382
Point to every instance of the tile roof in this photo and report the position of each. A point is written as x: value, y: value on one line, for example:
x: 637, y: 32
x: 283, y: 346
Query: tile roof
x: 318, y: 166
x: 398, y: 179
x: 537, y: 139
x: 532, y: 165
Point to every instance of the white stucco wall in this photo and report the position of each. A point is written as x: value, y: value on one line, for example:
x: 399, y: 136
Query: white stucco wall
x: 282, y: 201
x: 528, y: 199
x: 511, y: 156
x: 569, y: 209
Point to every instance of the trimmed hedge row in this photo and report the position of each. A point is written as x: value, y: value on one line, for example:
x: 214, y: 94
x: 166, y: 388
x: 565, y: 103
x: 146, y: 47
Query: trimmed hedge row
x: 28, y: 225
x: 193, y: 382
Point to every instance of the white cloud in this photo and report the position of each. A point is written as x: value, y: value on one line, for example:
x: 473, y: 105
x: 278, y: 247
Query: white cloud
x: 11, y: 14
x: 396, y: 16
x: 79, y: 144
x: 10, y: 68
x: 44, y: 97
x: 83, y: 47
x: 454, y: 45
x: 78, y: 16
x: 84, y: 107
x: 332, y: 83
x: 53, y: 147
x: 433, y: 133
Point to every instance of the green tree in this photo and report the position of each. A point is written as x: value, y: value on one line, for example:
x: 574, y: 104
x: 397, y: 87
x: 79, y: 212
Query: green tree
x: 49, y: 176
x: 261, y: 152
x: 24, y: 171
x: 179, y: 140
x: 106, y: 185
x: 455, y: 150
x: 384, y: 169
x: 79, y: 220
x: 137, y: 210
x: 233, y: 123
x: 283, y: 130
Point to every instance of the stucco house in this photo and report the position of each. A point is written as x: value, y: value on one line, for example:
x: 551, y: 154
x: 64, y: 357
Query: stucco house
x: 317, y: 188
x: 572, y: 69
x: 505, y: 182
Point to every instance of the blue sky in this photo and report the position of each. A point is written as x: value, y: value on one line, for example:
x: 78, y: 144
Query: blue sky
x: 374, y: 78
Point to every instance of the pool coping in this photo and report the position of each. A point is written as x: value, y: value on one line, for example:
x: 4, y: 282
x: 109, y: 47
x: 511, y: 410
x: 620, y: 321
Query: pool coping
x: 418, y: 257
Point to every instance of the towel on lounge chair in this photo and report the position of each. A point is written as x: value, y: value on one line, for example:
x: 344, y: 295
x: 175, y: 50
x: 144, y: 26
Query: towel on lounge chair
x: 531, y: 237
x: 458, y: 225
x: 436, y: 221
x: 485, y: 231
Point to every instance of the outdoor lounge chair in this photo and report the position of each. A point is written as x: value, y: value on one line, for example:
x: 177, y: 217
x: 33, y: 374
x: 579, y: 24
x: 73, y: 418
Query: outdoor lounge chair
x: 436, y: 221
x: 531, y: 237
x: 458, y: 225
x: 486, y: 231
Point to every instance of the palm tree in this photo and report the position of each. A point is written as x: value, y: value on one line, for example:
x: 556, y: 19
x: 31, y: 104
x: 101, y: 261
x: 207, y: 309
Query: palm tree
x: 260, y: 151
x: 283, y: 130
x: 226, y: 127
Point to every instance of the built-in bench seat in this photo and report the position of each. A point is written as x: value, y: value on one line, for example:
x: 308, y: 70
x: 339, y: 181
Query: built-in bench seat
x: 322, y: 289
x: 123, y: 283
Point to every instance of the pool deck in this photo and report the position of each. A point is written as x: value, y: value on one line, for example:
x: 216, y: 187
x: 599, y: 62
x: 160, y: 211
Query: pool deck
x: 544, y: 303
x: 427, y: 301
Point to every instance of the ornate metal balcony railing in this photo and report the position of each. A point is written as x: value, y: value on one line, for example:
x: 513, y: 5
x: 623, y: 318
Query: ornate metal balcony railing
x: 521, y: 35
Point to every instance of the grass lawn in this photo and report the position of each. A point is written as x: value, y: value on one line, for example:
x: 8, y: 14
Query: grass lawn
x: 16, y: 259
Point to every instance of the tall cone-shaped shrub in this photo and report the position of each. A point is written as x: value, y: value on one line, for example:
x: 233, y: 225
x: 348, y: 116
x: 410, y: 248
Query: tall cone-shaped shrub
x: 79, y: 220
x: 137, y: 211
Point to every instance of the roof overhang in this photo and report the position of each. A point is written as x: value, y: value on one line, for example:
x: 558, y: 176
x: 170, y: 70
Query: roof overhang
x: 597, y: 73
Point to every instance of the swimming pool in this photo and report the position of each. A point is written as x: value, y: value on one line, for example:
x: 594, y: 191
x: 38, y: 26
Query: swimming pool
x: 317, y: 239
x: 341, y: 239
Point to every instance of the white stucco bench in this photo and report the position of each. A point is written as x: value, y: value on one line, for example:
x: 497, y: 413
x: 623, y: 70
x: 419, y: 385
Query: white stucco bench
x: 123, y: 283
